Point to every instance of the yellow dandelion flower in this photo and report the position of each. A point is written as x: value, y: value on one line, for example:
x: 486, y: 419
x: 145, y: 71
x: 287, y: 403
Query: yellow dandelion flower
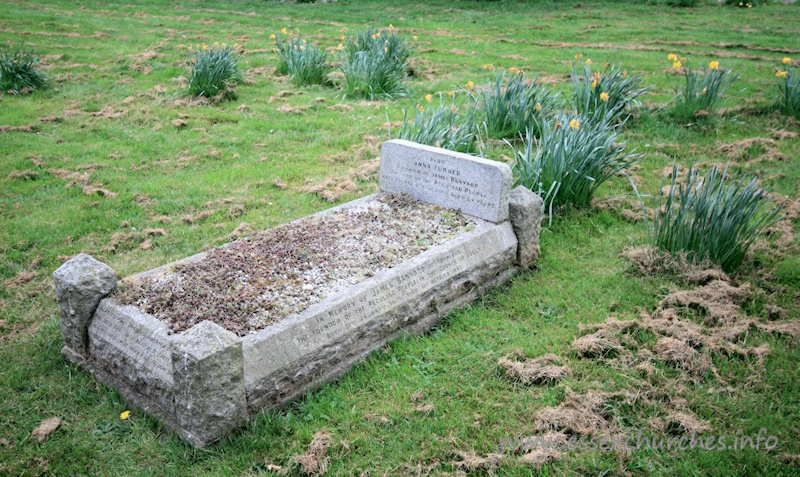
x: 125, y: 415
x: 453, y: 108
x: 588, y: 61
x: 781, y: 74
x: 488, y: 66
x: 421, y: 109
x: 604, y: 96
x: 538, y: 106
x: 714, y: 65
x: 429, y: 97
x: 786, y: 60
x: 578, y: 56
x: 677, y: 64
x: 672, y: 57
x: 575, y: 124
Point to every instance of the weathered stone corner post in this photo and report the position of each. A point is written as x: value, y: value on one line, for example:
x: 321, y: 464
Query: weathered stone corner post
x: 525, y: 212
x: 208, y: 373
x: 81, y: 283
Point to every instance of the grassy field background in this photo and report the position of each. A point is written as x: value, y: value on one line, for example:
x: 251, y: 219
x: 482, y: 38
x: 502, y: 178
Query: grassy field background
x: 115, y: 161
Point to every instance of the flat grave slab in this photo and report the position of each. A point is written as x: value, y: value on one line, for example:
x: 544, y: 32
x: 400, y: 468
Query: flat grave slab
x: 207, y: 342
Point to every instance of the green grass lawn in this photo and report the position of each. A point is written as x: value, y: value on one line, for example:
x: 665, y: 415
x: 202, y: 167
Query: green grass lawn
x: 277, y: 151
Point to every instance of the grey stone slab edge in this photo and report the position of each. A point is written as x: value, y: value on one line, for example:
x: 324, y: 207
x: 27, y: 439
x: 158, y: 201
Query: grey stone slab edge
x: 131, y: 396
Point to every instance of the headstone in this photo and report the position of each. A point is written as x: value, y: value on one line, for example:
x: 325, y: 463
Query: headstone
x: 473, y: 185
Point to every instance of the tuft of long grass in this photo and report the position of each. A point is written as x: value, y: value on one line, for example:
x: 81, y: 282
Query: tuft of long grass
x: 789, y: 90
x: 512, y: 105
x: 450, y: 126
x: 19, y: 71
x: 575, y: 155
x: 716, y: 216
x: 305, y: 63
x: 213, y: 70
x: 702, y: 92
x: 613, y: 91
x: 374, y: 63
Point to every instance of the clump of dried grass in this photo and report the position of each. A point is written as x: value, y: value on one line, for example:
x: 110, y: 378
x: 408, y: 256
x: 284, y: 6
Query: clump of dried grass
x: 545, y: 369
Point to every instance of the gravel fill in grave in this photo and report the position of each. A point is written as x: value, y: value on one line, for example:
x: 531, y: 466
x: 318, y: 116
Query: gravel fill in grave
x: 259, y: 280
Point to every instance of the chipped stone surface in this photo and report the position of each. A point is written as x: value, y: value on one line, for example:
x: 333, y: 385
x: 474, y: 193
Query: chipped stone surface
x: 525, y: 212
x: 135, y: 347
x: 209, y: 384
x: 473, y: 185
x: 81, y: 283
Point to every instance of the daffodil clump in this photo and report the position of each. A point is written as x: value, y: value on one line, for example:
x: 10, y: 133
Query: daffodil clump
x: 304, y: 62
x: 701, y: 95
x: 716, y: 217
x: 450, y: 123
x: 742, y: 3
x: 19, y: 71
x: 613, y: 91
x: 511, y: 104
x: 788, y: 87
x: 374, y: 63
x: 575, y: 155
x: 214, y: 69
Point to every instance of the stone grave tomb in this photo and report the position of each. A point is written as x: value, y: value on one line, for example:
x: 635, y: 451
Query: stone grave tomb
x: 206, y: 376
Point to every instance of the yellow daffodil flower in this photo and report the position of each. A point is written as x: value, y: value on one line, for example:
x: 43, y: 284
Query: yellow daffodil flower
x: 588, y: 61
x: 714, y: 65
x: 421, y: 109
x: 470, y: 85
x: 538, y: 106
x: 283, y: 30
x: 272, y: 37
x: 453, y: 108
x: 429, y: 97
x: 594, y: 84
x: 578, y: 56
x: 575, y: 124
x: 604, y: 96
x: 672, y: 57
x: 786, y: 60
x: 451, y: 93
x: 677, y: 64
x: 781, y: 74
x: 415, y: 37
x: 488, y: 66
x: 513, y: 70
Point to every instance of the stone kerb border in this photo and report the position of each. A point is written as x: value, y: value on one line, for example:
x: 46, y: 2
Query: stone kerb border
x: 206, y: 381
